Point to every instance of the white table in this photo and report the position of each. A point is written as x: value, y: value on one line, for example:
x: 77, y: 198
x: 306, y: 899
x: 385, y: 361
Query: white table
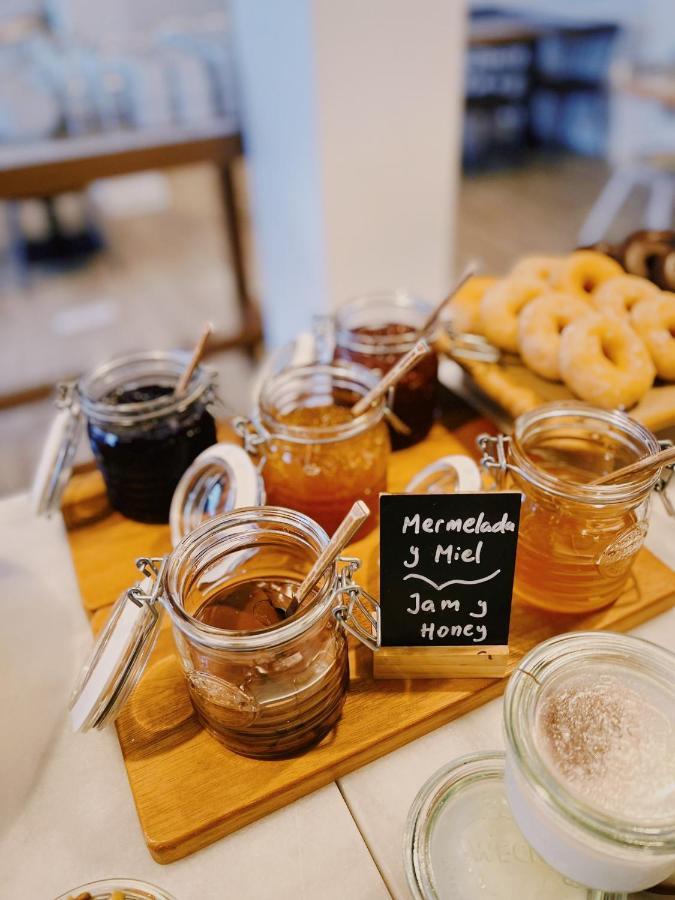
x: 66, y: 811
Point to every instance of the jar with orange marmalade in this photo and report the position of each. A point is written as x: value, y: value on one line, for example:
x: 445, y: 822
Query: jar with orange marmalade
x: 577, y: 541
x: 316, y: 456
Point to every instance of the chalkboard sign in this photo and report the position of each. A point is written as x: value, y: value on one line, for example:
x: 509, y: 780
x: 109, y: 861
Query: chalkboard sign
x: 446, y: 568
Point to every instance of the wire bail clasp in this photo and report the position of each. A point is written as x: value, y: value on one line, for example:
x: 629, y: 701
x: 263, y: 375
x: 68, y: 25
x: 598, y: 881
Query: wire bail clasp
x: 494, y: 455
x: 152, y: 567
x: 66, y: 395
x: 359, y: 602
x: 661, y: 486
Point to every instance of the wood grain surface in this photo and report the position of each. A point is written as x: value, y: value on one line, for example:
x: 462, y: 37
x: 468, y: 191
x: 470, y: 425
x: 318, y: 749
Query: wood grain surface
x: 188, y: 789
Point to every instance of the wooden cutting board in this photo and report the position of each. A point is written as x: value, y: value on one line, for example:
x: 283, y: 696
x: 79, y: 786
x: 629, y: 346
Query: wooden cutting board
x: 188, y: 789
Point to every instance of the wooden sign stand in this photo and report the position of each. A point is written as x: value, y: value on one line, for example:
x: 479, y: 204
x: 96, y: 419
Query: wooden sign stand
x: 446, y: 578
x: 440, y: 662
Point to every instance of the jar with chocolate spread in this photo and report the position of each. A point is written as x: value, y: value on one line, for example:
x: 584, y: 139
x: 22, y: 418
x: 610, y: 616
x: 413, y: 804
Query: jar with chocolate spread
x: 143, y: 436
x: 266, y: 675
x: 375, y: 331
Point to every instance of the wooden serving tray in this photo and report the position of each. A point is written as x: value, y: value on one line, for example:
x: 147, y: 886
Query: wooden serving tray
x: 189, y: 790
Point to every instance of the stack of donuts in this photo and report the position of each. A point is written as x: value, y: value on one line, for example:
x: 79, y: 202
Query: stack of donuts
x: 579, y: 319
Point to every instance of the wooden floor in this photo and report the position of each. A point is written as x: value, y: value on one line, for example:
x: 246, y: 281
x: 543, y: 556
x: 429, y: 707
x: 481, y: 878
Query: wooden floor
x: 165, y: 272
x: 536, y: 208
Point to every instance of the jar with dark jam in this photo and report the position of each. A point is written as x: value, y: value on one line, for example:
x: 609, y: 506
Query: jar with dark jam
x: 375, y: 331
x: 143, y: 436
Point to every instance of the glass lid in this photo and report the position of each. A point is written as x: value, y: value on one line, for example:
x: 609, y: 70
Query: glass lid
x: 447, y: 475
x: 118, y: 658
x: 220, y: 479
x: 56, y: 460
x: 117, y: 889
x: 462, y: 843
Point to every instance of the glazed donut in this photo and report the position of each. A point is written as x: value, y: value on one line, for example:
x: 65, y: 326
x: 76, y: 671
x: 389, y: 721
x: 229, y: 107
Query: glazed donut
x: 539, y: 329
x: 618, y: 295
x: 500, y: 307
x: 654, y: 321
x: 542, y: 268
x: 605, y: 362
x: 585, y: 270
x: 464, y: 308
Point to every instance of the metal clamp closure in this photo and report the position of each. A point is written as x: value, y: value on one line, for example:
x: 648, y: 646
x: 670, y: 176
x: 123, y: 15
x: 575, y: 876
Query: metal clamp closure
x: 252, y: 435
x: 152, y: 568
x: 66, y: 394
x: 661, y: 486
x: 360, y: 616
x: 494, y: 458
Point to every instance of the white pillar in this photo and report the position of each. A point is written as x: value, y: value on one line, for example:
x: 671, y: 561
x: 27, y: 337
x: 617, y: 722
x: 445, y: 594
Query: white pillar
x: 352, y: 113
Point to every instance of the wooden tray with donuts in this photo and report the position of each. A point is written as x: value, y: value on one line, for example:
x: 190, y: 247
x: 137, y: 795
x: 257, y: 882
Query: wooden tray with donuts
x: 578, y: 326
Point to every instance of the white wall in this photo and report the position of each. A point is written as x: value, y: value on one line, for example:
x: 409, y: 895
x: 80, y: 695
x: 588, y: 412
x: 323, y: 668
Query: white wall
x: 352, y: 118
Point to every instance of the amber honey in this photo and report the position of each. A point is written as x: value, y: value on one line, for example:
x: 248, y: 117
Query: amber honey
x: 572, y: 559
x: 577, y: 541
x: 319, y: 458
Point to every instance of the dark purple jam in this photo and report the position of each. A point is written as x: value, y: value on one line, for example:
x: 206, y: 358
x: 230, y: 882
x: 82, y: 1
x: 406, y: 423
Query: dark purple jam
x: 142, y: 463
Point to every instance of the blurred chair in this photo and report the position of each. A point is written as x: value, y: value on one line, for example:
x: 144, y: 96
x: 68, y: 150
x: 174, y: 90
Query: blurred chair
x: 642, y: 148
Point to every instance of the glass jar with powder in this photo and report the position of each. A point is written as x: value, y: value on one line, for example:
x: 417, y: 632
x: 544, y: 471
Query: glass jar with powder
x: 589, y: 720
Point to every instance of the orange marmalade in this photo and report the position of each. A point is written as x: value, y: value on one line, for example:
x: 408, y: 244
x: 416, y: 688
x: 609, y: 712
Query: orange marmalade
x: 319, y: 458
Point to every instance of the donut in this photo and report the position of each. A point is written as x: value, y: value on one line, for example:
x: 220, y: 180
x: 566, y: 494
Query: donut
x: 643, y: 250
x: 542, y: 268
x: 500, y: 307
x: 539, y: 329
x: 464, y: 308
x: 603, y: 361
x: 585, y: 270
x: 619, y: 295
x: 664, y: 271
x: 654, y: 321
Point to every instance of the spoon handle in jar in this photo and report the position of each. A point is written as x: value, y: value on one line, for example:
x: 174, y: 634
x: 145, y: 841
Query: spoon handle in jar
x: 184, y: 379
x: 642, y: 466
x: 341, y: 537
x: 469, y: 271
x: 394, y: 374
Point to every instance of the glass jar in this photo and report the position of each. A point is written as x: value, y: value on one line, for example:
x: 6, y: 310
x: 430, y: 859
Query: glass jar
x: 375, y: 331
x: 577, y: 541
x: 589, y: 722
x: 461, y: 841
x: 265, y: 678
x: 143, y: 437
x: 117, y: 889
x: 316, y: 456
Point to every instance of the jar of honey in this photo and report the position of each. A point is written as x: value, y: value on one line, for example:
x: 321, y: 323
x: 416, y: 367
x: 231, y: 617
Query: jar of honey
x: 577, y: 540
x: 143, y: 436
x: 266, y: 676
x: 316, y: 456
x: 375, y: 331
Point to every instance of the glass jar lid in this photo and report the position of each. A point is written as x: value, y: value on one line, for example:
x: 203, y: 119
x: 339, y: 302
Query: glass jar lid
x: 127, y: 888
x: 220, y: 479
x: 461, y: 841
x: 58, y: 453
x: 447, y: 475
x: 118, y: 658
